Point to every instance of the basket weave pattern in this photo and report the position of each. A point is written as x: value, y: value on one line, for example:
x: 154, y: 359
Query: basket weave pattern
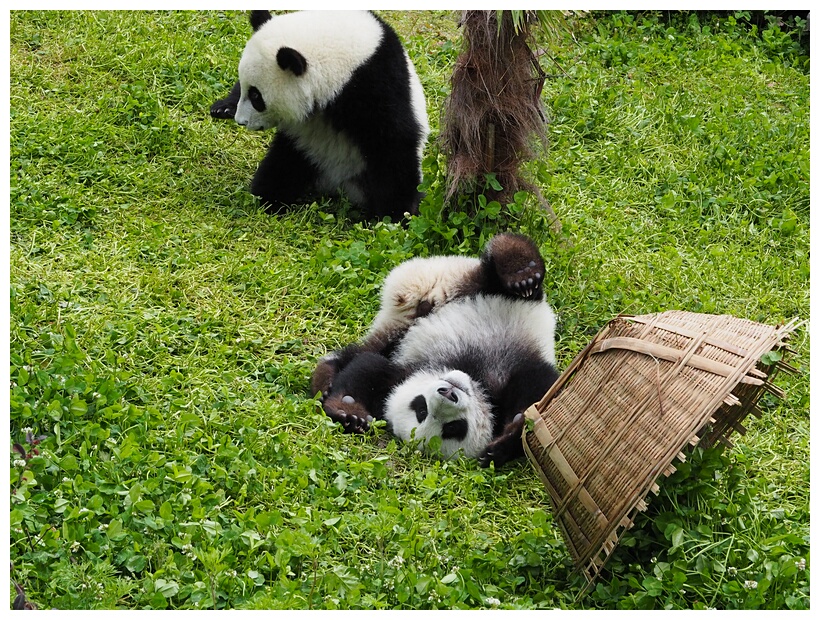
x: 644, y: 389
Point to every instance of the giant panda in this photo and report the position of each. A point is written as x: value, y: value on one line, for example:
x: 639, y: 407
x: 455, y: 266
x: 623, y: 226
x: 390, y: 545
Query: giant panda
x: 459, y: 348
x: 348, y: 106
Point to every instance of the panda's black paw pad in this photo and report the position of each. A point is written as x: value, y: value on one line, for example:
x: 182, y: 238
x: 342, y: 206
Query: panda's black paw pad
x: 346, y: 411
x: 518, y: 264
x: 224, y: 108
x: 526, y: 281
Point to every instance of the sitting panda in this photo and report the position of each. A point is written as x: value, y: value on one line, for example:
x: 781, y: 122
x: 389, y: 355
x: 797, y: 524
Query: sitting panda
x: 459, y: 348
x: 348, y: 106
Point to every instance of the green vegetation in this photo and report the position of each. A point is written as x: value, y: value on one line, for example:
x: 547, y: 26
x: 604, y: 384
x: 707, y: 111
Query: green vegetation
x: 163, y: 327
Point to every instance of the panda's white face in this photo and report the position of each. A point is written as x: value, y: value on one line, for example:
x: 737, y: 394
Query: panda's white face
x: 275, y: 88
x: 296, y: 63
x: 447, y: 404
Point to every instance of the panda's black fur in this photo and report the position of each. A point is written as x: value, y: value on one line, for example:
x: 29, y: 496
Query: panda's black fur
x: 364, y: 136
x: 471, y: 339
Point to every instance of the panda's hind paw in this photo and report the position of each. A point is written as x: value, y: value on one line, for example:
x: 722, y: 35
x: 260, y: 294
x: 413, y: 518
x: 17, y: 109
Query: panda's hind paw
x: 518, y: 265
x: 525, y: 282
x: 353, y: 417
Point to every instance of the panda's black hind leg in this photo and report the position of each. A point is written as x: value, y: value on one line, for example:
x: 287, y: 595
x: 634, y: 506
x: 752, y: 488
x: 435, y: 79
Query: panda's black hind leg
x: 285, y: 176
x: 226, y: 108
x: 513, y: 266
x: 358, y: 392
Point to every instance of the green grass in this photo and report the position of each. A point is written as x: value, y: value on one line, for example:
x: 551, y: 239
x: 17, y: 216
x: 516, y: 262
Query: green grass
x: 163, y: 327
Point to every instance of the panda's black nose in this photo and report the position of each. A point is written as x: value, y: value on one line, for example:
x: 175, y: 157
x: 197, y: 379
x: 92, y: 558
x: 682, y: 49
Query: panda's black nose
x: 448, y: 393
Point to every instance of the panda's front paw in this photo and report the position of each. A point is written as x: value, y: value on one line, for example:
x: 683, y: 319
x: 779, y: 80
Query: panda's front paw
x: 507, y: 447
x: 353, y: 417
x: 224, y: 108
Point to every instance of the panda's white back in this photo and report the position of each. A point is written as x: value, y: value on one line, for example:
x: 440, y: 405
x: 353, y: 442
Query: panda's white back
x: 499, y: 328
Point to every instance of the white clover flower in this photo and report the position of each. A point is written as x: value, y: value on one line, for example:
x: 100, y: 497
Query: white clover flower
x: 66, y: 479
x: 801, y: 564
x: 750, y: 584
x: 96, y: 395
x: 732, y: 571
x: 395, y: 562
x: 102, y: 527
x: 74, y: 546
x: 19, y: 463
x: 231, y: 573
x: 492, y: 601
x: 26, y: 429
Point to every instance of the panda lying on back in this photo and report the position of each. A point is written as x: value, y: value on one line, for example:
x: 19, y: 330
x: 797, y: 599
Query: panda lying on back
x: 348, y: 107
x: 459, y: 349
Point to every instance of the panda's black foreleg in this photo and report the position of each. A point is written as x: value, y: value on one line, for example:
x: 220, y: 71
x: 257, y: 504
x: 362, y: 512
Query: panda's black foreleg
x: 284, y: 177
x: 226, y: 108
x: 512, y: 265
x: 321, y: 381
x: 507, y: 447
x: 526, y: 385
x: 359, y: 391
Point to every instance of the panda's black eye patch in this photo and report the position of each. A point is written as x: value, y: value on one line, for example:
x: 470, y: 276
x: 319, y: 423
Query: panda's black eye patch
x: 457, y: 429
x: 256, y: 99
x: 419, y: 405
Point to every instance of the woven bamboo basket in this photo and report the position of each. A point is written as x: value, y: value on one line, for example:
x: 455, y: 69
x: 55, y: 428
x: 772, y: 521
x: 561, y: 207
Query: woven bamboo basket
x: 627, y: 407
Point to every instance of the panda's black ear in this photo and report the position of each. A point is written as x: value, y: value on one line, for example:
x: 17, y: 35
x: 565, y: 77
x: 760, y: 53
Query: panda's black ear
x: 291, y: 60
x: 258, y: 18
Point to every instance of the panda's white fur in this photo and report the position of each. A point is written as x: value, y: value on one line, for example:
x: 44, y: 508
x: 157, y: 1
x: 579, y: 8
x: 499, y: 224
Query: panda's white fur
x: 335, y: 44
x: 449, y: 395
x: 433, y: 280
x: 500, y: 327
x: 419, y: 106
x: 331, y: 152
x: 495, y: 332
